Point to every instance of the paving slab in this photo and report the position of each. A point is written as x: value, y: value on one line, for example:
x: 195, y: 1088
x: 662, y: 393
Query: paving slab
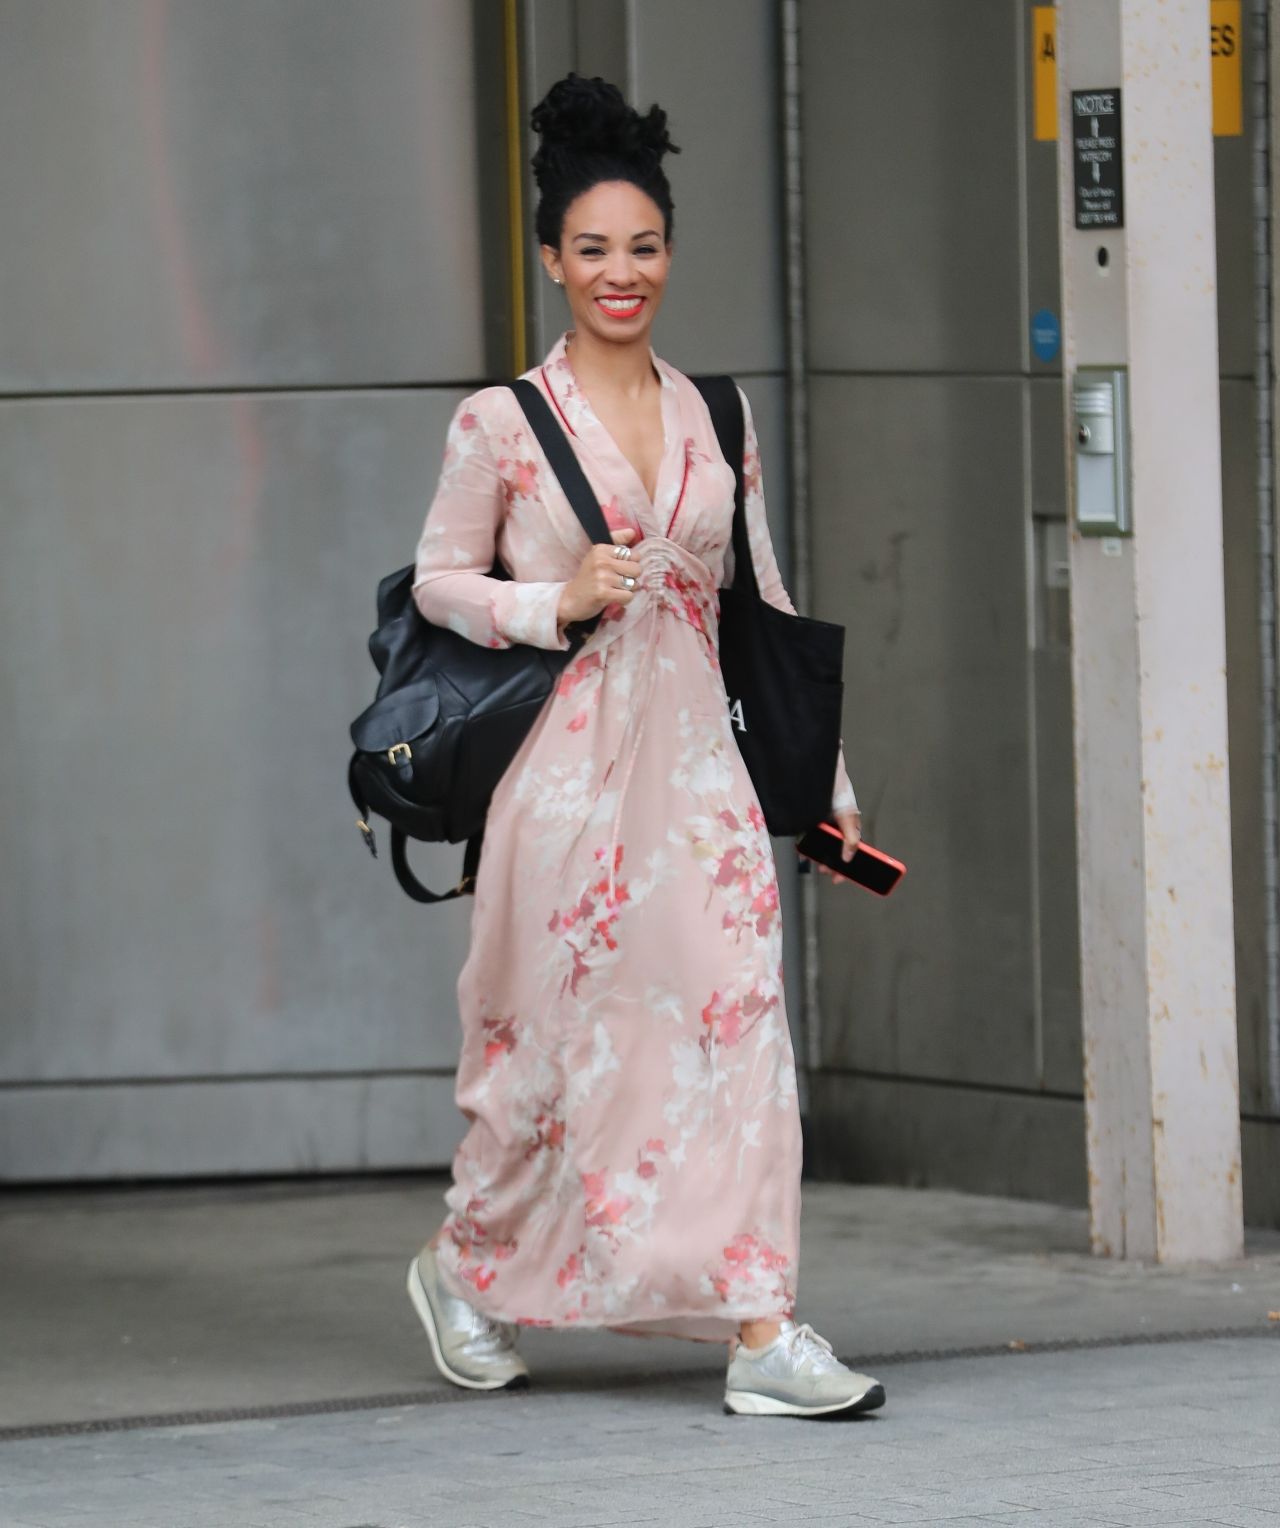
x: 1161, y: 1433
x: 119, y: 1303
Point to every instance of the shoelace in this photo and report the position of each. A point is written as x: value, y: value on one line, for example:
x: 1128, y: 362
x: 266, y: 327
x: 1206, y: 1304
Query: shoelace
x: 485, y: 1326
x: 803, y: 1342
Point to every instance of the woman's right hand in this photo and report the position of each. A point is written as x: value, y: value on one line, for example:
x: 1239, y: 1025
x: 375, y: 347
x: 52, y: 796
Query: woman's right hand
x: 597, y: 582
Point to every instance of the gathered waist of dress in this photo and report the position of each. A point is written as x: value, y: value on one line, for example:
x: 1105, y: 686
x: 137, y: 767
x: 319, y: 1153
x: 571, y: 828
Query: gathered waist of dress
x: 670, y: 580
x: 669, y: 577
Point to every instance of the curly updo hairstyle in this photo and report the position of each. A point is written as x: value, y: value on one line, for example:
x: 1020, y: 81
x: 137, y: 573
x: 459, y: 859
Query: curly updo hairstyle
x: 590, y: 134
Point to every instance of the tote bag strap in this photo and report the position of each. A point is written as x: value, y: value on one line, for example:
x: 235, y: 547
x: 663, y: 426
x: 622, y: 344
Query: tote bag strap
x: 725, y: 408
x: 558, y: 451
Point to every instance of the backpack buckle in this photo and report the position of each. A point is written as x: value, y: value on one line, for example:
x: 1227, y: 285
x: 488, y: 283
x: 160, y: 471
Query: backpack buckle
x: 396, y: 749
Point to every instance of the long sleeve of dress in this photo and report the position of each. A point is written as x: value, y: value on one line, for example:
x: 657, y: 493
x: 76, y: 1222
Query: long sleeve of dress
x: 767, y: 575
x: 452, y: 586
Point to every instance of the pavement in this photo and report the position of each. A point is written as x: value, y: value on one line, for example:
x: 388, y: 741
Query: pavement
x: 242, y: 1354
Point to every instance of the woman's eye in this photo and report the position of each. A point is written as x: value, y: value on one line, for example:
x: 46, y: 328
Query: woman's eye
x: 640, y: 249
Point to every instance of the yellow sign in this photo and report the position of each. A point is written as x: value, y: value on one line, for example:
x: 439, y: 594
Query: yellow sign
x: 1044, y: 72
x: 1224, y: 68
x: 1225, y: 72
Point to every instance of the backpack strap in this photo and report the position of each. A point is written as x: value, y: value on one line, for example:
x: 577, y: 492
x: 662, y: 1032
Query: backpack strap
x: 558, y: 451
x: 720, y: 393
x: 409, y: 882
x: 580, y: 494
x: 414, y: 887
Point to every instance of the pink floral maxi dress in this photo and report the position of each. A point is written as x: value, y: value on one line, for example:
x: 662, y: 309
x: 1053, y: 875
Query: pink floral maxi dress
x: 633, y: 1152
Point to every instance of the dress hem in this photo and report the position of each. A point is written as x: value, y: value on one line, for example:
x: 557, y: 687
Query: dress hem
x: 713, y: 1326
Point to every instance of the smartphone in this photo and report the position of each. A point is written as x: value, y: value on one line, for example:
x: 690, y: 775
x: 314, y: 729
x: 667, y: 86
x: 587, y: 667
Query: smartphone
x: 872, y: 868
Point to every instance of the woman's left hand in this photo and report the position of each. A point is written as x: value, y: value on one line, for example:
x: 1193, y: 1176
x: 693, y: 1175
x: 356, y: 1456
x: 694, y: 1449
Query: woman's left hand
x: 850, y: 824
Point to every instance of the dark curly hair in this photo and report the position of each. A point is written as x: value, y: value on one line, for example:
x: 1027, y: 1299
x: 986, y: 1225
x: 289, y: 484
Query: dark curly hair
x: 590, y: 134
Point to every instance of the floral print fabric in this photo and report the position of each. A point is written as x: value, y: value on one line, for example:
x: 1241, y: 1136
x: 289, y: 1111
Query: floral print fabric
x: 632, y: 1157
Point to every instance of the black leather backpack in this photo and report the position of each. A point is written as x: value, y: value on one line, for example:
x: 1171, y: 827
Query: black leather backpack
x: 450, y: 714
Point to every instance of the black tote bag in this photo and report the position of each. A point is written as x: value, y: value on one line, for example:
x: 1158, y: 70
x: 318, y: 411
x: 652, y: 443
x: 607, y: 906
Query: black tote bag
x: 783, y: 673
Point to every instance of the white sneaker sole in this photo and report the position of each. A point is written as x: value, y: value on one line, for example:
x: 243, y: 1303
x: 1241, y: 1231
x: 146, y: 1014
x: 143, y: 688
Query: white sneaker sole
x: 423, y: 1307
x: 748, y: 1403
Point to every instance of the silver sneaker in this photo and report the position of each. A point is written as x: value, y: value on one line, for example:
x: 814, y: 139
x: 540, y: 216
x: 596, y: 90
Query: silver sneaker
x: 469, y: 1348
x: 796, y: 1375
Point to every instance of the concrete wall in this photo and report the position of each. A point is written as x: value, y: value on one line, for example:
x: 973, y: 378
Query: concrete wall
x: 236, y: 324
x: 252, y: 256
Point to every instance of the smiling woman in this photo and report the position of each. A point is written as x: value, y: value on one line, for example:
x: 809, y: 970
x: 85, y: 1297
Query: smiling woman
x: 633, y: 1153
x: 613, y: 264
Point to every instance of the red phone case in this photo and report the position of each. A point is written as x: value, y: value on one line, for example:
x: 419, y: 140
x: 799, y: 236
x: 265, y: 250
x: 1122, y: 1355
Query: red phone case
x: 869, y: 867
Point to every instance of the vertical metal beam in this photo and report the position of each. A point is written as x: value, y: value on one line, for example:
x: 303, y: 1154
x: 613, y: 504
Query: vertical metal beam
x: 1149, y: 657
x: 809, y: 1057
x: 515, y: 184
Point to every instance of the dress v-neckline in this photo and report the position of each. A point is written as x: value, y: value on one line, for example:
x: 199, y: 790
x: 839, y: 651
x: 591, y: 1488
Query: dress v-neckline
x: 650, y: 501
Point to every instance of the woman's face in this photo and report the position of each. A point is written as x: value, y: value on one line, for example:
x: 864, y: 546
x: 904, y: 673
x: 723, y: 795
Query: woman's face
x: 612, y: 260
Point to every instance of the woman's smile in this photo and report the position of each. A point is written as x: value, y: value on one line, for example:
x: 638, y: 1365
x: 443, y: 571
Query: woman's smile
x: 621, y: 307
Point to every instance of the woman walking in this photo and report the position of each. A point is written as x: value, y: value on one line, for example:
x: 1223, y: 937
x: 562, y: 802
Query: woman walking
x: 633, y: 1153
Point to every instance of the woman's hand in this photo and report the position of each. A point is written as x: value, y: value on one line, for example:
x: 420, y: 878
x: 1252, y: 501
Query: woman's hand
x: 598, y: 582
x: 850, y: 824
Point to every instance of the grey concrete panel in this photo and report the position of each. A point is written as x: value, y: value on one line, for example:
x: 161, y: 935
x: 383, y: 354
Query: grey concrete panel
x: 1240, y: 578
x: 258, y: 192
x: 1062, y: 1048
x: 186, y: 588
x: 890, y: 1130
x: 602, y: 39
x: 1062, y: 1064
x: 713, y: 68
x: 221, y: 1128
x: 1057, y: 892
x: 1260, y: 1168
x: 1047, y: 405
x: 1233, y: 207
x: 921, y: 529
x: 913, y: 227
x: 723, y: 306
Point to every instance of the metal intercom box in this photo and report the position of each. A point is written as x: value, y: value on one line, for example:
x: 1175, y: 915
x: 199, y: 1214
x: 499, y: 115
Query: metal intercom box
x: 1100, y: 436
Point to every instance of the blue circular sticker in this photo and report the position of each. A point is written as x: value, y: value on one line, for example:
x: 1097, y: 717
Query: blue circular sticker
x: 1045, y: 334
